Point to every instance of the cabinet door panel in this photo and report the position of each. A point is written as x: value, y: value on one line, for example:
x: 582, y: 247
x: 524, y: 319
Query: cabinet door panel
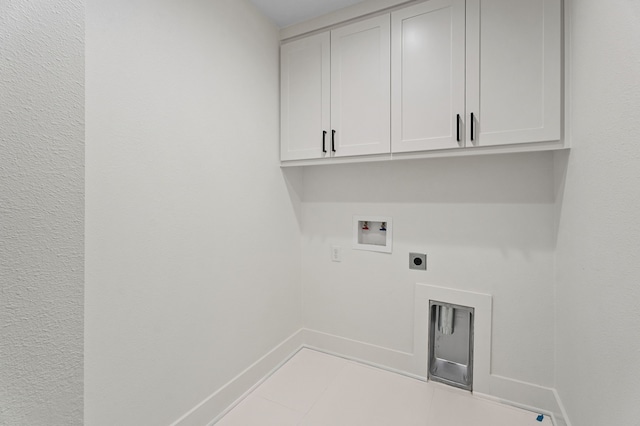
x: 428, y: 76
x: 305, y: 91
x: 360, y: 85
x: 514, y: 70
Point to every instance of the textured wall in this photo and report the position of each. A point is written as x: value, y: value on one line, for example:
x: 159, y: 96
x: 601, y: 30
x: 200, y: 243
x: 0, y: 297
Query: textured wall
x: 41, y: 211
x: 192, y: 242
x: 598, y: 257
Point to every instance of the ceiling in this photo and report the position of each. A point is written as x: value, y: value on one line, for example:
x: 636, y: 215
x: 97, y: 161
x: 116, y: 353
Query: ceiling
x: 289, y: 12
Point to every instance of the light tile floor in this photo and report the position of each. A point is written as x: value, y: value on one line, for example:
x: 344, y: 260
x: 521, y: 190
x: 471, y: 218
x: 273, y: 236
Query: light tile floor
x: 316, y: 389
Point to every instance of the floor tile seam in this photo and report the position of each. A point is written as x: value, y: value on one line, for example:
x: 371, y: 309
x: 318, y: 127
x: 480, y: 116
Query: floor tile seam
x: 259, y: 391
x: 275, y: 401
x: 410, y: 384
x: 372, y: 366
x: 430, y: 406
x: 279, y: 404
x: 490, y: 402
x: 495, y: 408
x: 382, y: 369
x: 324, y: 391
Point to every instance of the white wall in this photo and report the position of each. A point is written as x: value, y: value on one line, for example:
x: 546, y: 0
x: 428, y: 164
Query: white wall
x: 486, y: 224
x: 598, y: 273
x: 41, y: 211
x: 192, y: 238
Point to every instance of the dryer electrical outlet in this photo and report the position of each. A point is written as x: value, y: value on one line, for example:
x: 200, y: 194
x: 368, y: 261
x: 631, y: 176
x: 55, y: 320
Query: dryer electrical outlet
x: 418, y: 261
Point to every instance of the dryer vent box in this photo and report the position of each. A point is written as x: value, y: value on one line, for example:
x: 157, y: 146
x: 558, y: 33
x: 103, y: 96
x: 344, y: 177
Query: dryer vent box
x: 451, y: 344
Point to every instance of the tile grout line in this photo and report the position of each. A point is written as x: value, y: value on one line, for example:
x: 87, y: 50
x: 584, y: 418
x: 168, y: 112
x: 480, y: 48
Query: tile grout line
x: 277, y: 403
x: 315, y: 402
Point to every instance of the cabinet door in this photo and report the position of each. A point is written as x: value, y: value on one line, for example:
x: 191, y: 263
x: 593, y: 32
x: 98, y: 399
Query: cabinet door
x: 305, y: 90
x: 513, y: 71
x: 428, y: 55
x: 360, y: 86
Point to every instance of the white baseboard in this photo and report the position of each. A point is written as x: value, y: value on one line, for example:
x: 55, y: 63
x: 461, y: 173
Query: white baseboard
x: 506, y: 390
x: 512, y: 392
x: 224, y: 399
x: 562, y: 416
x: 487, y: 385
x: 377, y: 356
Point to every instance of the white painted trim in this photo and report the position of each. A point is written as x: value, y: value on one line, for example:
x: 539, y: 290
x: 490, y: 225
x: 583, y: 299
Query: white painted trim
x: 522, y: 394
x: 411, y: 364
x: 562, y: 415
x: 554, y: 419
x: 457, y: 152
x: 507, y: 390
x: 228, y: 396
x: 414, y: 364
x: 566, y: 70
x: 358, y: 11
x: 366, y: 353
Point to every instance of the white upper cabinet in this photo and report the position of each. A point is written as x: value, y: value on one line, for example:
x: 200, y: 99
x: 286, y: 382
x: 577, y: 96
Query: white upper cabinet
x: 453, y: 76
x: 428, y: 76
x: 513, y: 71
x: 305, y: 93
x: 335, y: 92
x: 360, y: 86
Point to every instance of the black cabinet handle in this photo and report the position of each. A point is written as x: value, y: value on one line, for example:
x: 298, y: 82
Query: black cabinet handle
x: 324, y: 136
x: 458, y: 127
x: 472, y: 126
x: 333, y: 141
